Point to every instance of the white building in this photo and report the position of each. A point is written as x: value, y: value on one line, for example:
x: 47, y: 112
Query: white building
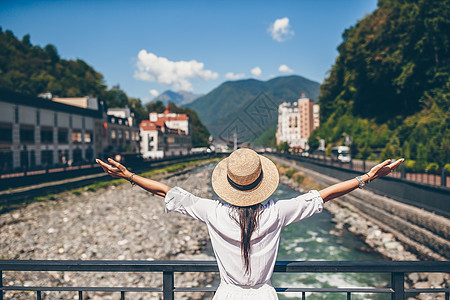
x: 296, y: 122
x: 288, y: 124
x: 165, y: 134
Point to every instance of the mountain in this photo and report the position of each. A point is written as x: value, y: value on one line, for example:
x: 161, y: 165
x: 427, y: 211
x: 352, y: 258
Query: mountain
x: 249, y: 107
x: 180, y: 98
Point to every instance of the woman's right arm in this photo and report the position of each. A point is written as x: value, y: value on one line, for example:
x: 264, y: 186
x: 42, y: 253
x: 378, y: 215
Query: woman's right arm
x: 345, y: 187
x: 117, y: 170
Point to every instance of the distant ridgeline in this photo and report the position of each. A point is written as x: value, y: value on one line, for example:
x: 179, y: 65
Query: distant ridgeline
x: 389, y: 88
x: 250, y: 106
x: 32, y: 70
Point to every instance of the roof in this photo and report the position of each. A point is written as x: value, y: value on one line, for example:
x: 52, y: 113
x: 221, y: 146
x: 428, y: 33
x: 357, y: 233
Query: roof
x: 22, y: 99
x: 146, y: 125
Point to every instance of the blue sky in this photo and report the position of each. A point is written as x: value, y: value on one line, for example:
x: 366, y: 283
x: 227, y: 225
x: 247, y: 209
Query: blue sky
x: 148, y: 47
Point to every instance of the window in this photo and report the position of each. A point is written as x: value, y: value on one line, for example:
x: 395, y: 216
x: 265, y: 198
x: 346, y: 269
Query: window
x: 46, y: 135
x: 88, y: 137
x: 6, y: 161
x: 113, y: 134
x: 26, y: 134
x: 47, y: 158
x: 63, y: 136
x: 5, y: 134
x: 76, y: 137
x: 127, y: 135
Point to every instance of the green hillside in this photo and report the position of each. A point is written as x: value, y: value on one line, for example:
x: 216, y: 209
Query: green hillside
x: 389, y: 88
x: 253, y: 103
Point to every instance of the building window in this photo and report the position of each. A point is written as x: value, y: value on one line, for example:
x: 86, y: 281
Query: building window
x: 113, y: 134
x: 127, y: 135
x: 47, y: 158
x: 76, y: 137
x: 26, y: 134
x: 46, y: 135
x: 63, y: 136
x: 5, y: 134
x: 6, y: 161
x: 88, y: 137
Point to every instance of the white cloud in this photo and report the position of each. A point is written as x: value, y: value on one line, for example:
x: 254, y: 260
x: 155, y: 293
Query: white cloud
x: 174, y: 73
x: 285, y: 69
x: 280, y: 30
x: 256, y: 71
x: 231, y: 75
x: 154, y: 93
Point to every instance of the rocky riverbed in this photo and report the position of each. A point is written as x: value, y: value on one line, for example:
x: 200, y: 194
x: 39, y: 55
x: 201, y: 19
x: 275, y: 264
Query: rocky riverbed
x: 117, y: 223
x: 382, y: 242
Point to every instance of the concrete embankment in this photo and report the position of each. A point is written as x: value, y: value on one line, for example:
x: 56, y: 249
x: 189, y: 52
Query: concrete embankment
x: 115, y: 223
x: 396, y: 230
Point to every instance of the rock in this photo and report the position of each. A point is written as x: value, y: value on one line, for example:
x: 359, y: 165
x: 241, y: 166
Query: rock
x: 422, y: 285
x: 436, y: 279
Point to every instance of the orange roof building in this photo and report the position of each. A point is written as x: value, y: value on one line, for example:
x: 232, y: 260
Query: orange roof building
x: 165, y: 134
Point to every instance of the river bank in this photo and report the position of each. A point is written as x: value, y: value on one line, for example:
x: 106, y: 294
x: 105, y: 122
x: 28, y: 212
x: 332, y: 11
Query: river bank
x: 113, y: 223
x: 373, y: 236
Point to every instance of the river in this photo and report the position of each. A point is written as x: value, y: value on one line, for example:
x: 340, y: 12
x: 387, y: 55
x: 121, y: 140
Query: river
x: 316, y: 238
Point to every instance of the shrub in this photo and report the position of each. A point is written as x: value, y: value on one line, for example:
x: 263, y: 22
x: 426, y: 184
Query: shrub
x: 447, y: 168
x: 410, y: 165
x: 432, y: 168
x: 290, y: 172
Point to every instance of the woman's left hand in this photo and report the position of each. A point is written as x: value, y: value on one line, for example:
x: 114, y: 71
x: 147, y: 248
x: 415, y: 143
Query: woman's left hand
x: 114, y: 169
x: 384, y: 168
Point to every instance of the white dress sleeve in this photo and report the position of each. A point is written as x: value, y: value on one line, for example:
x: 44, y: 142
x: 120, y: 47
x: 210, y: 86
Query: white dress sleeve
x: 299, y: 208
x: 183, y: 202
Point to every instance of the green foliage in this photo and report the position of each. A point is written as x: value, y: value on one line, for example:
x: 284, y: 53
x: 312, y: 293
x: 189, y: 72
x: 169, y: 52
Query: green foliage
x: 157, y: 106
x: 290, y: 172
x: 267, y: 139
x: 389, y: 88
x: 432, y: 168
x: 447, y: 168
x: 410, y: 165
x: 283, y: 147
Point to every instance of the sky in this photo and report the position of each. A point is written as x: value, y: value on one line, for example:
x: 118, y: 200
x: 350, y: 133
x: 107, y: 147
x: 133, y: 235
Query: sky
x: 147, y: 47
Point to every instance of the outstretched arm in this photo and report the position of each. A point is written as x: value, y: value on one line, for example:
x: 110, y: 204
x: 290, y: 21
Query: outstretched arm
x: 345, y: 187
x: 117, y: 170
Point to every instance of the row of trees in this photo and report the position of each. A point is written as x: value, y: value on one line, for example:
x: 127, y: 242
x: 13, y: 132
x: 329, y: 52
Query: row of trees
x: 32, y: 70
x: 389, y: 88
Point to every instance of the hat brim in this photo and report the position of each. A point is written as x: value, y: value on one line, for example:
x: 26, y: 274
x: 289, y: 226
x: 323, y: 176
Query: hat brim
x: 258, y: 194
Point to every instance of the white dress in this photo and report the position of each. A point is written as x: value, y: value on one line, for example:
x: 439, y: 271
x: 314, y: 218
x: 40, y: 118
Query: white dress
x: 225, y: 237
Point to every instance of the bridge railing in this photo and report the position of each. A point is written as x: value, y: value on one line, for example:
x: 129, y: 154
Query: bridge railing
x: 396, y: 269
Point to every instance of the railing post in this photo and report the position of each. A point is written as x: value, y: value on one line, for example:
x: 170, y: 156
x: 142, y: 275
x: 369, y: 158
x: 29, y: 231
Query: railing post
x: 168, y: 286
x: 364, y: 166
x: 403, y: 171
x: 1, y: 284
x: 443, y: 178
x: 398, y: 285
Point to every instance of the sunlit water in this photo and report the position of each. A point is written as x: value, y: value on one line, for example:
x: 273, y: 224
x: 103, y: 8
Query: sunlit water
x: 310, y: 240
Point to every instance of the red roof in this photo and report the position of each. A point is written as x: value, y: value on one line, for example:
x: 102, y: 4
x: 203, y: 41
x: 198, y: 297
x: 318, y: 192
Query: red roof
x: 148, y: 126
x: 160, y: 122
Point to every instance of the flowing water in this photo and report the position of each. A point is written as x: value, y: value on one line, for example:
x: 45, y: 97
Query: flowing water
x: 313, y: 239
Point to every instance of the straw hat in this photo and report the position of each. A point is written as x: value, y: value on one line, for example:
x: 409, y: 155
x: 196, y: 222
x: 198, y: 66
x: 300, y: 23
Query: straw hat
x: 245, y: 178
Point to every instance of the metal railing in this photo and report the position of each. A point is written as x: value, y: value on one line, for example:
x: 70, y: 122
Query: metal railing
x: 397, y: 270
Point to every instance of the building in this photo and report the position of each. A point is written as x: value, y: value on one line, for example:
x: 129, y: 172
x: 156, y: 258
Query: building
x: 122, y: 132
x: 296, y: 122
x: 39, y: 133
x: 288, y: 124
x: 165, y: 134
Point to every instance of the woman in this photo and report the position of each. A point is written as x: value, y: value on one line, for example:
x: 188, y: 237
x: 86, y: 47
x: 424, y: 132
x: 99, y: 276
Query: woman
x: 244, y: 232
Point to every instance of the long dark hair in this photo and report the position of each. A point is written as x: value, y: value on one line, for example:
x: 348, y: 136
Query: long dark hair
x: 248, y: 219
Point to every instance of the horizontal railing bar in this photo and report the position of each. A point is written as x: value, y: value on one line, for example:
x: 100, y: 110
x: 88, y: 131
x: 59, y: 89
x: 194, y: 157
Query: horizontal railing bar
x: 79, y: 288
x: 335, y: 290
x: 211, y: 266
x: 431, y: 290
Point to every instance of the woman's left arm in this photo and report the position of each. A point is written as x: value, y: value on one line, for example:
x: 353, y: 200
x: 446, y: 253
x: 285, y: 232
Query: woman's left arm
x: 345, y: 187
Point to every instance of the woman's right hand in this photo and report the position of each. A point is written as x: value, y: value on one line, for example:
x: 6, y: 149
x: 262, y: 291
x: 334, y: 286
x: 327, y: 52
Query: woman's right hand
x: 384, y: 168
x: 114, y: 169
